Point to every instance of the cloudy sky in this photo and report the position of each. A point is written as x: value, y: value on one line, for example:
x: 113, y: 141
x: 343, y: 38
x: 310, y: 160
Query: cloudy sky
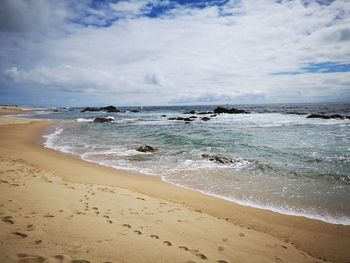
x: 167, y: 52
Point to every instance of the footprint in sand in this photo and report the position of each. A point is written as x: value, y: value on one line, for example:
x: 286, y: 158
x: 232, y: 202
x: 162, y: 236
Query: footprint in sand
x: 22, y: 235
x: 37, y: 242
x: 241, y: 234
x: 138, y: 232
x: 220, y: 248
x: 8, y: 219
x: 110, y: 221
x: 48, y: 216
x: 224, y: 239
x: 183, y: 248
x: 127, y: 225
x: 24, y: 258
x: 201, y: 256
x: 154, y: 236
x: 221, y: 261
x: 168, y: 243
x: 30, y: 227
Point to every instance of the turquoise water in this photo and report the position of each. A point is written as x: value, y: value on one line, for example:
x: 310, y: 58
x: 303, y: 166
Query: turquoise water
x: 281, y: 162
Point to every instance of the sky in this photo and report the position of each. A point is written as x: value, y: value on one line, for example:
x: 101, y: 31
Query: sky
x: 173, y: 52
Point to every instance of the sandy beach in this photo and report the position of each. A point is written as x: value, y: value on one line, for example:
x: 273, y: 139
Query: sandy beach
x: 58, y: 208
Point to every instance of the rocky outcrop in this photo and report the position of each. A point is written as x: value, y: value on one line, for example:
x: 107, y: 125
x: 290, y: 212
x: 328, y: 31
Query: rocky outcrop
x: 163, y: 116
x: 147, y: 148
x: 106, y: 109
x: 90, y: 109
x: 179, y: 119
x: 190, y: 112
x: 102, y: 119
x: 218, y: 159
x: 325, y: 117
x: 110, y: 109
x: 205, y: 112
x: 219, y: 110
x: 205, y: 119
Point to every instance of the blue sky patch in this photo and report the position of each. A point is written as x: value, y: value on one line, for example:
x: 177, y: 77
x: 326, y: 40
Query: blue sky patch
x: 326, y: 67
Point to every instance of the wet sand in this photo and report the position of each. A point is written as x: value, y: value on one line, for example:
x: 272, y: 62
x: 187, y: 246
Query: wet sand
x: 58, y: 208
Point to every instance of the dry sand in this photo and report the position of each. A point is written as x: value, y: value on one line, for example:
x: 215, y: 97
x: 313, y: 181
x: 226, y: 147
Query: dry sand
x: 57, y: 208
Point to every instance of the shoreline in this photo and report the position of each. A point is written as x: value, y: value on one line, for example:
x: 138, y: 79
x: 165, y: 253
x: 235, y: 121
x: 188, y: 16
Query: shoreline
x: 317, y: 238
x: 279, y: 210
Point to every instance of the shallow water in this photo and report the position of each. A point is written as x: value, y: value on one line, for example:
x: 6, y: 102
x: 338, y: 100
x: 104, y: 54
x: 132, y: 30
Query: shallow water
x: 282, y: 162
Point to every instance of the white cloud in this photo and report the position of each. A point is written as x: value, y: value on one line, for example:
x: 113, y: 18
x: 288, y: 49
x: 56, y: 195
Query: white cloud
x: 198, y: 55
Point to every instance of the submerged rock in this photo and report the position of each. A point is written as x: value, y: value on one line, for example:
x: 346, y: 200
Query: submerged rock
x: 110, y: 109
x: 190, y: 112
x: 326, y: 117
x: 205, y: 119
x: 147, y: 148
x: 102, y: 119
x: 90, y: 109
x: 219, y: 110
x: 205, y: 112
x: 106, y: 109
x: 218, y: 159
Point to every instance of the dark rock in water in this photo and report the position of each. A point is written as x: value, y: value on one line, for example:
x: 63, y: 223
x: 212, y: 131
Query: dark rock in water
x: 107, y: 109
x: 90, y: 109
x: 348, y: 117
x: 218, y: 159
x: 55, y: 110
x: 336, y: 116
x: 214, y: 115
x: 296, y: 113
x: 205, y: 119
x: 205, y: 112
x: 102, y: 119
x: 230, y: 111
x: 180, y: 119
x: 163, y: 116
x: 326, y: 117
x: 147, y: 148
x: 135, y: 110
x: 190, y: 112
x: 317, y: 116
x: 193, y: 117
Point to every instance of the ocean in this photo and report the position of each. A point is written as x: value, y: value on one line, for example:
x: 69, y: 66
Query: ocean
x: 278, y: 160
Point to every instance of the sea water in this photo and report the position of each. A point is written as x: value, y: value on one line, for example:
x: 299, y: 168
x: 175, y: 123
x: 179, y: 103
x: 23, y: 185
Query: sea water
x: 281, y: 162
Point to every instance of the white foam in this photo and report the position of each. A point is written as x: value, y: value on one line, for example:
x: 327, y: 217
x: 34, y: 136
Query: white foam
x: 49, y: 143
x: 84, y: 120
